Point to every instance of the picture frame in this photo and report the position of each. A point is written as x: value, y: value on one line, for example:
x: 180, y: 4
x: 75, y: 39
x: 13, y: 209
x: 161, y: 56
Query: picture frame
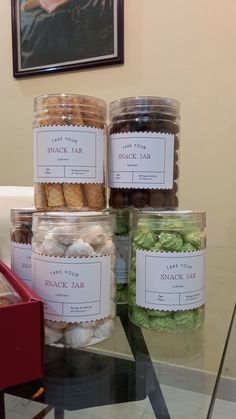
x: 52, y: 36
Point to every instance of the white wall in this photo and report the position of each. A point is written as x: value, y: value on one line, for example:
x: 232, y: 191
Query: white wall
x: 183, y: 49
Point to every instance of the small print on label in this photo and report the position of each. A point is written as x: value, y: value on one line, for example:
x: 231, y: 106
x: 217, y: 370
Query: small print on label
x: 141, y: 160
x: 68, y: 154
x: 170, y: 281
x: 73, y: 289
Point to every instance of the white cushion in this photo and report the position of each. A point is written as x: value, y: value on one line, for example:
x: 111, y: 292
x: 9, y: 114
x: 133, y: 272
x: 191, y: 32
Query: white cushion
x: 11, y: 197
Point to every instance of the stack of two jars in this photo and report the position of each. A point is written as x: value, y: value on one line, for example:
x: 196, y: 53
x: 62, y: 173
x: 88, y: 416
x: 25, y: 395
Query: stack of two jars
x: 161, y: 250
x: 84, y: 197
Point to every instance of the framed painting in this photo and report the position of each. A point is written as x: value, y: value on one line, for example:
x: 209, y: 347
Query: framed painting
x: 50, y: 36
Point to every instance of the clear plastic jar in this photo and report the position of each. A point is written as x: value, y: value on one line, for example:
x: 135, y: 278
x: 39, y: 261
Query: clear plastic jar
x: 122, y: 246
x: 143, y: 152
x: 21, y: 235
x: 166, y: 276
x: 73, y: 265
x: 69, y: 152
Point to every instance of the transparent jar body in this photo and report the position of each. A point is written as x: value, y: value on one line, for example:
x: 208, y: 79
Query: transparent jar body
x: 122, y: 246
x: 166, y: 275
x: 69, y: 133
x: 21, y: 236
x: 144, y: 152
x: 74, y: 260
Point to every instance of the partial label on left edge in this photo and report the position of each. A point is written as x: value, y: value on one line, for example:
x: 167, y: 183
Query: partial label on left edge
x: 21, y: 261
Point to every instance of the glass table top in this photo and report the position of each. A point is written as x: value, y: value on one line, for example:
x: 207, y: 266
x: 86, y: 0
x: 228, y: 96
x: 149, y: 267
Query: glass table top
x: 138, y: 372
x: 224, y: 393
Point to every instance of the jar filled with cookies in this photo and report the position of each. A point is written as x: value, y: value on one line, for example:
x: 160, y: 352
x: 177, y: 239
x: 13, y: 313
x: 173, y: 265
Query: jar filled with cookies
x: 69, y: 143
x: 73, y: 271
x: 122, y: 249
x: 21, y: 236
x: 144, y: 152
x: 167, y: 269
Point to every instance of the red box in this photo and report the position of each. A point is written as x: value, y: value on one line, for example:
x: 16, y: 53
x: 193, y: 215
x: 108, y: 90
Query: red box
x: 21, y: 335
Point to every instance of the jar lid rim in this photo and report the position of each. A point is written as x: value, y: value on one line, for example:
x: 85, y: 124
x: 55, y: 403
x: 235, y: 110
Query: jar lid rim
x: 156, y: 211
x: 74, y: 215
x: 146, y: 100
x: 23, y: 211
x: 162, y: 215
x: 100, y: 102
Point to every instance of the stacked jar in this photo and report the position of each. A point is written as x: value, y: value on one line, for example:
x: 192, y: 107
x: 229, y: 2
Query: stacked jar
x: 21, y: 236
x: 73, y: 254
x: 167, y: 286
x: 122, y: 251
x: 143, y: 157
x: 69, y: 152
x: 73, y: 272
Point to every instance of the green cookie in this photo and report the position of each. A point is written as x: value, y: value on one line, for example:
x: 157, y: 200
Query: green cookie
x: 163, y: 323
x: 171, y: 241
x: 157, y: 313
x: 188, y: 247
x: 196, y: 238
x: 144, y: 239
x: 184, y: 319
x: 139, y: 317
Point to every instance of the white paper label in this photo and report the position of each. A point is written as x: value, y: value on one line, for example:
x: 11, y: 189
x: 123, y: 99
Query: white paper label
x: 141, y: 160
x: 73, y: 289
x: 68, y: 154
x: 122, y: 244
x: 170, y: 281
x: 21, y: 261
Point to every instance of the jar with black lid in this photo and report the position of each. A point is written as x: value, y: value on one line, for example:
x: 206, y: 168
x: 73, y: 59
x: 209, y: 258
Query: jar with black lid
x: 144, y: 152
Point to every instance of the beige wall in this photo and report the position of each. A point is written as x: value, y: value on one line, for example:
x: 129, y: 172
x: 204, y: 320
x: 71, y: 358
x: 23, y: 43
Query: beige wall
x: 183, y: 49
